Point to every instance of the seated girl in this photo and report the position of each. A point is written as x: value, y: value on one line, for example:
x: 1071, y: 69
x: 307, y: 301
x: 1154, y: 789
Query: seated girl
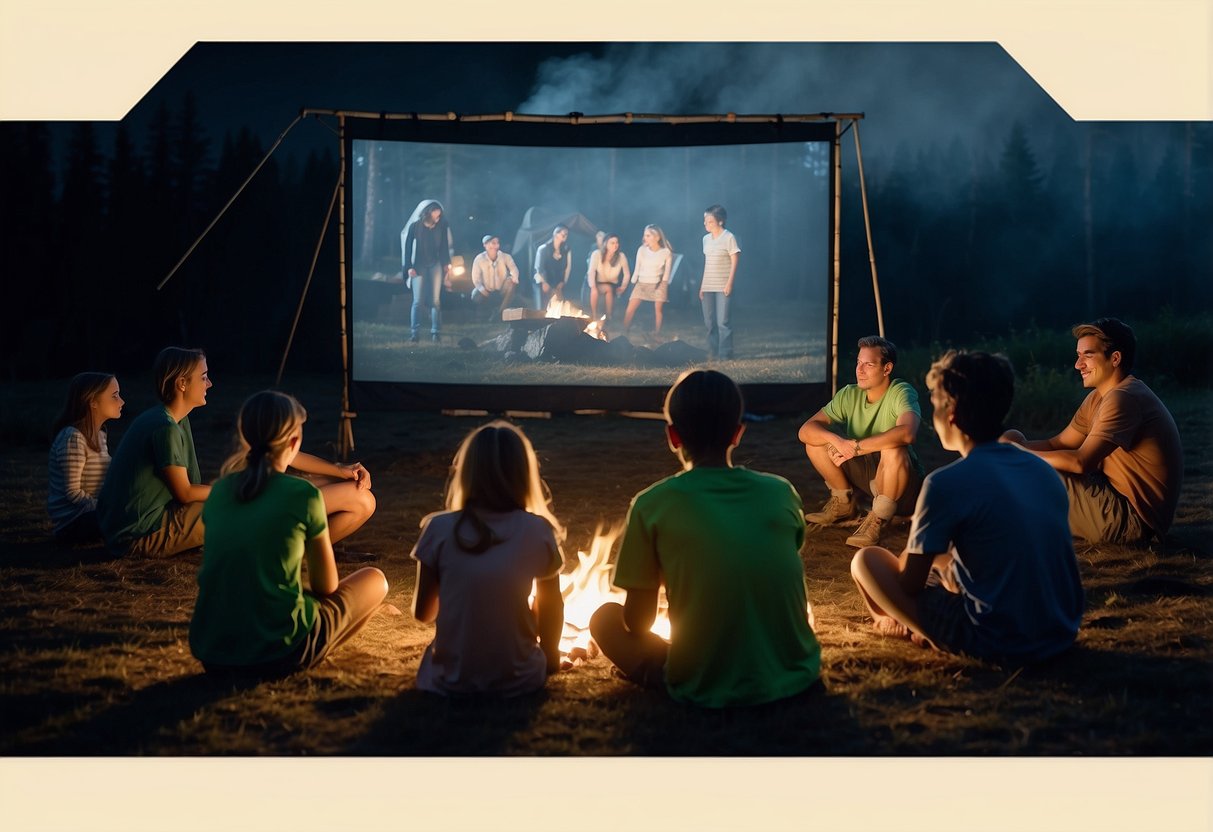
x: 253, y: 611
x: 476, y: 565
x: 80, y: 456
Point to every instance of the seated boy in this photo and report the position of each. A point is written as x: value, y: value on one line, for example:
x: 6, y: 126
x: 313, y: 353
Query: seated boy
x: 725, y: 543
x: 989, y: 568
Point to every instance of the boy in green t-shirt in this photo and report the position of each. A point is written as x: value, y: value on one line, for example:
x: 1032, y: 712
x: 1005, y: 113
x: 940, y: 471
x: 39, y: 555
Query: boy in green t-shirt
x: 725, y: 543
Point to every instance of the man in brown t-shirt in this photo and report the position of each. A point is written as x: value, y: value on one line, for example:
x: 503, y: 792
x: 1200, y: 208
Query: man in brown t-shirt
x: 1120, y: 456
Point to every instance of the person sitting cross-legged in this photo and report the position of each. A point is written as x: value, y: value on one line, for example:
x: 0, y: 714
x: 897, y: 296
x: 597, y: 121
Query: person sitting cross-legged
x: 724, y: 541
x: 864, y: 438
x: 989, y: 569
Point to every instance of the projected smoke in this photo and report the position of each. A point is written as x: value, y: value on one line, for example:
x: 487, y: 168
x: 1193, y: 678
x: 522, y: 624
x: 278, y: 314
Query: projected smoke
x: 777, y: 198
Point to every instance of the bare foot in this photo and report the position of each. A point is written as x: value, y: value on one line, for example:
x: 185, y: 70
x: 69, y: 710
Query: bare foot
x: 890, y: 627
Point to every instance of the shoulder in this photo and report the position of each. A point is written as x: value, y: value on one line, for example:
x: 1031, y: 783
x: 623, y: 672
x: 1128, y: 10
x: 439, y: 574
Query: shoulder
x: 69, y: 437
x: 846, y: 394
x: 902, y: 391
x: 768, y: 483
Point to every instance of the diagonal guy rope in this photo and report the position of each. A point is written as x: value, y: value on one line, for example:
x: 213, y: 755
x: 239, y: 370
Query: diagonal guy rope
x: 223, y: 210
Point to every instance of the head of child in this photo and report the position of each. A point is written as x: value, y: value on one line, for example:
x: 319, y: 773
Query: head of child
x: 495, y: 469
x: 971, y: 394
x: 270, y: 428
x: 175, y: 372
x: 703, y: 413
x: 92, y: 398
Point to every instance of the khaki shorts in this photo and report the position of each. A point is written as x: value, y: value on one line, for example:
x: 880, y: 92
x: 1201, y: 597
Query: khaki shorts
x: 180, y: 529
x: 860, y: 471
x: 1101, y: 514
x: 655, y: 292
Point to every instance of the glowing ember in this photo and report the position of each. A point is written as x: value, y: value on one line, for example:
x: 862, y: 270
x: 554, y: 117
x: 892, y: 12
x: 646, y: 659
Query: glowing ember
x: 560, y: 308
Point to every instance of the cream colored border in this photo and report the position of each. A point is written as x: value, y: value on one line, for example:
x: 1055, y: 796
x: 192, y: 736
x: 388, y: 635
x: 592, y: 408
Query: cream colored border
x: 1099, y: 59
x: 84, y: 59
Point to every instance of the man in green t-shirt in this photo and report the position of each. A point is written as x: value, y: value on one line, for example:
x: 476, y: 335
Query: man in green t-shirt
x: 725, y: 543
x: 864, y: 438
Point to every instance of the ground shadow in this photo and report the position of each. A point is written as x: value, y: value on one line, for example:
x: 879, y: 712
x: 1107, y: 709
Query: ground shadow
x: 131, y: 727
x: 50, y: 554
x: 423, y: 724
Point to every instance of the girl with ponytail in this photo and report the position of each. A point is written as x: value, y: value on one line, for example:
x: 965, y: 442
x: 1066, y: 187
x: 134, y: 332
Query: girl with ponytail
x: 252, y: 610
x: 477, y: 563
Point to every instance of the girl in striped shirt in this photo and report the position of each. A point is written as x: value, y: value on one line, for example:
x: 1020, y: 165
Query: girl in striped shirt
x: 79, y: 456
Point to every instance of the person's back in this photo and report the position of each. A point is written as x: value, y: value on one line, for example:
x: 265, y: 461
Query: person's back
x: 486, y: 637
x: 726, y: 542
x: 1007, y: 518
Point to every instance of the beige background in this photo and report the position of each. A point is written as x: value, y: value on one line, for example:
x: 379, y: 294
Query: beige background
x: 1099, y: 59
x: 1108, y: 60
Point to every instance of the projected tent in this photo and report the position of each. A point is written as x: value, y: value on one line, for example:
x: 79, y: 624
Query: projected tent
x: 516, y: 176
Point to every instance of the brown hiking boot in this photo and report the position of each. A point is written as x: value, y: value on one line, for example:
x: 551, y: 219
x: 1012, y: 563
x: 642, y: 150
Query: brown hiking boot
x: 868, y: 533
x: 834, y: 511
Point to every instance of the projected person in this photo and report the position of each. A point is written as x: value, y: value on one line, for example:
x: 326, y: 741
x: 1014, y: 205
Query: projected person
x: 720, y: 252
x: 425, y: 250
x: 651, y: 280
x: 724, y: 541
x: 494, y: 276
x: 608, y: 274
x: 1120, y: 457
x: 599, y: 235
x: 253, y: 610
x: 989, y: 568
x: 864, y: 438
x: 553, y: 262
x: 79, y: 456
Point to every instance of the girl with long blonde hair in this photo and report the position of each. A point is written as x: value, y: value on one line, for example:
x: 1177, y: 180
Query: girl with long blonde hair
x: 476, y: 565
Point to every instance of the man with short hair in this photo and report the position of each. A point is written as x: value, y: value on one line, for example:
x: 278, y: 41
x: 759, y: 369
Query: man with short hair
x: 494, y: 276
x: 1120, y: 457
x: 864, y: 438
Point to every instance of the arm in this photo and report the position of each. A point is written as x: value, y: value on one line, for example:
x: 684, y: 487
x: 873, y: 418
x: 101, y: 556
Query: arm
x: 627, y: 274
x: 425, y: 596
x: 640, y: 610
x: 321, y: 565
x: 816, y: 431
x: 902, y: 433
x: 549, y: 615
x: 1068, y: 452
x: 478, y: 267
x: 70, y: 461
x: 728, y: 287
x: 568, y: 264
x: 177, y: 479
x: 406, y: 251
x: 309, y: 464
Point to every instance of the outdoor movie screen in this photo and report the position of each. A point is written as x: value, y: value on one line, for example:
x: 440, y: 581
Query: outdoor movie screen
x: 597, y: 342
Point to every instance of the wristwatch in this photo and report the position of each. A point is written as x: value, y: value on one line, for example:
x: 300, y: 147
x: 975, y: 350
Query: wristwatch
x: 855, y: 445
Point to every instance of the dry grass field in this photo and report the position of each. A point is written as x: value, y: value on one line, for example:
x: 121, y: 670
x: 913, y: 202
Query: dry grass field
x: 95, y: 664
x: 94, y: 657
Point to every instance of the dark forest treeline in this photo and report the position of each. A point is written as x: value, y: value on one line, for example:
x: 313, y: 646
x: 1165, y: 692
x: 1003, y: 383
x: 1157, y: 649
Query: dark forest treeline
x: 1117, y: 220
x: 967, y: 241
x: 86, y: 242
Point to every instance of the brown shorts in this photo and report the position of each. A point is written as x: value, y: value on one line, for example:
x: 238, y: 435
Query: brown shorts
x: 181, y: 529
x: 1101, y: 514
x: 860, y: 471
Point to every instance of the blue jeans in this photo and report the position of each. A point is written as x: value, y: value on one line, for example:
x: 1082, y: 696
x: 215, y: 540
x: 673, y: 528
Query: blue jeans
x: 719, y: 327
x: 427, y: 292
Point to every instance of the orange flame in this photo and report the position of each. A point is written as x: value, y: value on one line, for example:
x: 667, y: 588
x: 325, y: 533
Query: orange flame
x: 560, y: 308
x: 588, y: 587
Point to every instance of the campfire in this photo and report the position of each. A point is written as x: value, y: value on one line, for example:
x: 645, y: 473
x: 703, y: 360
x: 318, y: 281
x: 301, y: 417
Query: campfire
x: 560, y: 308
x: 587, y: 588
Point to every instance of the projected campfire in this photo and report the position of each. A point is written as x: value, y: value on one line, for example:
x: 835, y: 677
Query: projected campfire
x: 587, y: 588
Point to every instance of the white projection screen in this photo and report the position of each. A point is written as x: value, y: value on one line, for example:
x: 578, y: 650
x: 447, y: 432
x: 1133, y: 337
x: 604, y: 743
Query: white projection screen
x: 518, y: 180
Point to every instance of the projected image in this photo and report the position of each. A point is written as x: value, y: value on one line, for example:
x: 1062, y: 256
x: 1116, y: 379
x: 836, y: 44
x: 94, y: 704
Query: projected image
x: 491, y: 265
